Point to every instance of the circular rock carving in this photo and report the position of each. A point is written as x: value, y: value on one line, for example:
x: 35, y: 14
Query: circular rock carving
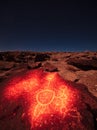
x: 45, y: 97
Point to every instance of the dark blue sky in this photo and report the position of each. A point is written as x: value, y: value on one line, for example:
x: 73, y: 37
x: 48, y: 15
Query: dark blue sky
x: 48, y: 25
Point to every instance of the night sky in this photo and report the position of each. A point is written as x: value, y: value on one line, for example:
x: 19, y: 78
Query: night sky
x: 41, y: 25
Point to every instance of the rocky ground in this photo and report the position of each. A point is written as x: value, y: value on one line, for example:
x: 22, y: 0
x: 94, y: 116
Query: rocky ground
x: 79, y: 68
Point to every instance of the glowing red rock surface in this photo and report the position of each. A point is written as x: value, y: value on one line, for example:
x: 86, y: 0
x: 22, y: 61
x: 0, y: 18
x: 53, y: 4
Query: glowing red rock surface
x: 47, y: 100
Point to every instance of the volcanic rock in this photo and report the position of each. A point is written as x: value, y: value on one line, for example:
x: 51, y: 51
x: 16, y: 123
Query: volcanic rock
x: 15, y: 102
x: 84, y: 64
x: 41, y: 57
x: 79, y: 69
x: 6, y: 65
x: 32, y: 65
x: 49, y: 67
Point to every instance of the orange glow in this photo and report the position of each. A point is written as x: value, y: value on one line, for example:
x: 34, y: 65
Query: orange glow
x: 44, y: 94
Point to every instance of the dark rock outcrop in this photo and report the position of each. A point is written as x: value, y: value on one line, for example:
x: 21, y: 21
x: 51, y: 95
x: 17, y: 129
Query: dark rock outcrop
x: 41, y: 57
x: 6, y: 65
x: 83, y: 64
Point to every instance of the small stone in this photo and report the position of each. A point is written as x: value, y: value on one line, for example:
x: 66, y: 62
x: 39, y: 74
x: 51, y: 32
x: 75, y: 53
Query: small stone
x: 49, y: 67
x: 32, y: 65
